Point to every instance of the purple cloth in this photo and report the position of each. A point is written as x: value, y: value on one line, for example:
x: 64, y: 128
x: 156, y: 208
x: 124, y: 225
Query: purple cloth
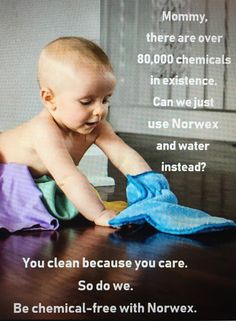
x: 21, y: 207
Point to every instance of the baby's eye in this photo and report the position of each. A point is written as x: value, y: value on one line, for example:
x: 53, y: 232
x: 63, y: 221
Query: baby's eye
x: 106, y: 100
x: 86, y: 102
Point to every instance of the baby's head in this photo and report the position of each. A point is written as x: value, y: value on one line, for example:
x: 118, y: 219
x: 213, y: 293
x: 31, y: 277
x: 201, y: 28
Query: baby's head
x: 76, y: 80
x: 70, y: 52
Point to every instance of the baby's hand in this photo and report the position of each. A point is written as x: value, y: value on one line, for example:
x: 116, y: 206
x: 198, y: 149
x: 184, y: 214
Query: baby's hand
x: 104, y: 217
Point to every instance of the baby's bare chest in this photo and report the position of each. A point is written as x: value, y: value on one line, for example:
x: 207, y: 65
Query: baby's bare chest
x: 77, y: 146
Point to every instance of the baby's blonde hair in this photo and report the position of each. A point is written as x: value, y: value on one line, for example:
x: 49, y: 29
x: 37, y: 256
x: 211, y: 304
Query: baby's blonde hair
x: 71, y: 50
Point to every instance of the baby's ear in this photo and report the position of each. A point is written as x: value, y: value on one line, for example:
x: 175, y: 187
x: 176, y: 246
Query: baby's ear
x: 48, y: 98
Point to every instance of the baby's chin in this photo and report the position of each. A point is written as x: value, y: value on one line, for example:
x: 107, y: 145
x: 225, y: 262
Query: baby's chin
x: 85, y: 129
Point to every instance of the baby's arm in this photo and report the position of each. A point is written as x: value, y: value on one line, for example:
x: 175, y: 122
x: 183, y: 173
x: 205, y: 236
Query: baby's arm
x: 50, y: 146
x: 125, y: 158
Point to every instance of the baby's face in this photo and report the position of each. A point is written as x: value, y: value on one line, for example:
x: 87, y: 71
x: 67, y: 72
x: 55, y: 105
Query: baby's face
x: 82, y: 98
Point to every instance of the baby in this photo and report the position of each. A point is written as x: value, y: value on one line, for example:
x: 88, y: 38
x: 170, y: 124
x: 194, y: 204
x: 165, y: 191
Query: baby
x: 76, y: 82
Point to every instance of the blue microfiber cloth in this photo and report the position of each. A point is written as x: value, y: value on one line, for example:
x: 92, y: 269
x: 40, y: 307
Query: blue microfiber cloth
x: 151, y: 200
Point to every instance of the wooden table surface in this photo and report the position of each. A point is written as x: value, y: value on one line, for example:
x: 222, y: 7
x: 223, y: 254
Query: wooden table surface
x: 205, y: 286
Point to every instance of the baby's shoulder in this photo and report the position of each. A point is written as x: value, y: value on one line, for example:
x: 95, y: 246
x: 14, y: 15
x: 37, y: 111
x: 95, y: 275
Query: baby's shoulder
x: 16, y: 134
x: 43, y: 125
x: 41, y: 119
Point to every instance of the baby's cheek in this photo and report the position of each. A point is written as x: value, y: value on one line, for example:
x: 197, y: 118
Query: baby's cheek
x: 79, y: 115
x: 83, y: 116
x: 105, y: 113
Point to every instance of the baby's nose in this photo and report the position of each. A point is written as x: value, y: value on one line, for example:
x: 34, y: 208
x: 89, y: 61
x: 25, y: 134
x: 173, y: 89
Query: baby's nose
x: 100, y: 109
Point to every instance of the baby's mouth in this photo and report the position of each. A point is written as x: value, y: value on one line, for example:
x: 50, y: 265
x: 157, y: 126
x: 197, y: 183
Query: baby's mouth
x: 92, y: 123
